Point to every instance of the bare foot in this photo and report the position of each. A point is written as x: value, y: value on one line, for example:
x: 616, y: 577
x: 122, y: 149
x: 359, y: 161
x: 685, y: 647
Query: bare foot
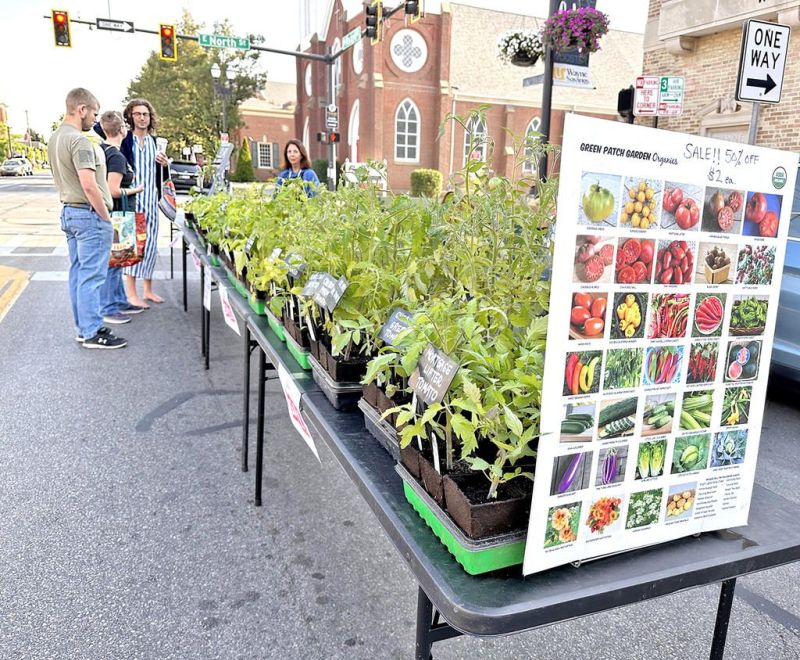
x: 153, y: 297
x: 138, y: 302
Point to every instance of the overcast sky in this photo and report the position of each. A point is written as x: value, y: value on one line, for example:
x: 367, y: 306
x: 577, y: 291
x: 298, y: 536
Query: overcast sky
x: 36, y: 76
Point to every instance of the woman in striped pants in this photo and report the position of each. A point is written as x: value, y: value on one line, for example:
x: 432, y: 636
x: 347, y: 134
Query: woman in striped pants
x: 139, y: 147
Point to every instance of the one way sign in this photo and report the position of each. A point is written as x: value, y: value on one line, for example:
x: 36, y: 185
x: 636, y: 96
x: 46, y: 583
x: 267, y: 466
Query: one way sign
x: 764, y: 48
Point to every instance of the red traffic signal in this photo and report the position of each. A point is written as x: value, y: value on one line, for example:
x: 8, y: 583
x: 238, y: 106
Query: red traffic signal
x: 169, y: 48
x: 61, y: 28
x: 333, y: 137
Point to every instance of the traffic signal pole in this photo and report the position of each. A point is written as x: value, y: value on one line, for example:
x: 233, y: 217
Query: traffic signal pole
x: 331, y: 101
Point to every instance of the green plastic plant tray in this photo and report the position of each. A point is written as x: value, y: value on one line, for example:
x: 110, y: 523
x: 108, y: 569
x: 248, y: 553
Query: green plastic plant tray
x: 240, y: 289
x: 475, y: 557
x: 258, y: 306
x: 278, y: 329
x: 300, y: 355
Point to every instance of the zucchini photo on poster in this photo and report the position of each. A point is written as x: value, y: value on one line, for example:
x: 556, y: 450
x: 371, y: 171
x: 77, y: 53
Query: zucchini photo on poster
x: 669, y: 250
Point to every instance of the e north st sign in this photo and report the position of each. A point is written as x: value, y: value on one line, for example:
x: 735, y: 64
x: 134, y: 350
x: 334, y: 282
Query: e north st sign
x: 763, y: 59
x: 221, y: 41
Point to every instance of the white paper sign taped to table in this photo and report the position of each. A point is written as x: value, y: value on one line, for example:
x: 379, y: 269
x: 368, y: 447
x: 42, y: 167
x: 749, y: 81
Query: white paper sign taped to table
x: 195, y: 258
x: 292, y: 393
x: 207, y: 293
x: 227, y: 311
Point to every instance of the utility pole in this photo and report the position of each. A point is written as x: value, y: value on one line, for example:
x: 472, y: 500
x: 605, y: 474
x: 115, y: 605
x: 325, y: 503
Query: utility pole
x: 331, y: 101
x: 28, y: 128
x: 547, y: 96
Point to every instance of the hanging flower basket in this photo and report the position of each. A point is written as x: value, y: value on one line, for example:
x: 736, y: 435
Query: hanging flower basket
x: 575, y: 29
x: 520, y: 47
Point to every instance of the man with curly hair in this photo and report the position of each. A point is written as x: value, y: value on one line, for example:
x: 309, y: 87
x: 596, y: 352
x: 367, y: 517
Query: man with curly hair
x: 150, y: 167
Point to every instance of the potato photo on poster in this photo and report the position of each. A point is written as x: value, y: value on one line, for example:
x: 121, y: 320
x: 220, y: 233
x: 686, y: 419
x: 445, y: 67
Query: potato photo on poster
x: 716, y: 262
x: 599, y: 199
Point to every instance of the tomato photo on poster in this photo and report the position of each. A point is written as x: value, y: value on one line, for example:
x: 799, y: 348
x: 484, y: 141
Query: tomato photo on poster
x: 762, y: 214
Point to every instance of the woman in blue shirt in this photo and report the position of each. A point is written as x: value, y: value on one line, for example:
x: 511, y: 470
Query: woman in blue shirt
x: 297, y: 166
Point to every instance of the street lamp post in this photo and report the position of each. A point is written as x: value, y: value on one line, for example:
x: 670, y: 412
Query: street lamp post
x: 223, y: 88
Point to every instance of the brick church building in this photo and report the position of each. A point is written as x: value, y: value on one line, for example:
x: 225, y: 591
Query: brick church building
x: 394, y: 95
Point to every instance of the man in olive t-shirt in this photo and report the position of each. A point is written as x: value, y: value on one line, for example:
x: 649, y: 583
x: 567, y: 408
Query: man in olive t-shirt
x: 79, y: 172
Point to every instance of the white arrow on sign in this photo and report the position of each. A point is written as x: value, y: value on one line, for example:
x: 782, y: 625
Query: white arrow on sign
x: 763, y: 59
x: 116, y: 26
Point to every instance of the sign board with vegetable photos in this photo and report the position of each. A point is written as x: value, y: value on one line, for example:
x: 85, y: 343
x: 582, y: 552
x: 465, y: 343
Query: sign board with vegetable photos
x: 397, y: 322
x: 432, y: 376
x: 672, y: 249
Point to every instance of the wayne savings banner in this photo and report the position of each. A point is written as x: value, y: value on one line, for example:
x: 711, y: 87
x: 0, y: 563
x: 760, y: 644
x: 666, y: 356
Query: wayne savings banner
x: 667, y: 269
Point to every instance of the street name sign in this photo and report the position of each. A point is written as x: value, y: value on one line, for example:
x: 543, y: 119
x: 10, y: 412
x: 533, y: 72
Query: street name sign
x: 670, y: 96
x: 645, y: 96
x: 351, y: 38
x: 221, y: 41
x: 116, y: 26
x: 564, y: 75
x: 762, y: 61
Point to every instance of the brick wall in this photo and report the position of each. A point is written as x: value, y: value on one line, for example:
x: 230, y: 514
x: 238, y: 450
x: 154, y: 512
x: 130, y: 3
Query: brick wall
x: 710, y: 74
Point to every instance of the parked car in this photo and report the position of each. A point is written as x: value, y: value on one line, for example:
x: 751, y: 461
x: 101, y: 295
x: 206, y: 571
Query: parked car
x: 185, y: 174
x: 16, y: 167
x: 786, y: 349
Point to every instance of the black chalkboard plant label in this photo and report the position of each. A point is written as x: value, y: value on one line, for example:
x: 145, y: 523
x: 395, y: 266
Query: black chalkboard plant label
x: 396, y: 323
x: 432, y: 376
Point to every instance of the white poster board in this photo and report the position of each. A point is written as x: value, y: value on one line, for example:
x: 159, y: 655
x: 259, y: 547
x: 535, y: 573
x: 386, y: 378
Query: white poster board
x: 667, y: 268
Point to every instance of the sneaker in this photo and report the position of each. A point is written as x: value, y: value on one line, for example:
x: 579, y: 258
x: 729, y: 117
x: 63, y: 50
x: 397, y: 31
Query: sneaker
x: 105, y: 340
x: 131, y: 309
x: 80, y: 338
x: 117, y: 318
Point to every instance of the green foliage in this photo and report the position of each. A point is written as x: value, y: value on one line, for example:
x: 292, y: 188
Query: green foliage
x: 426, y: 183
x: 244, y: 165
x: 471, y: 272
x: 183, y: 94
x: 320, y: 167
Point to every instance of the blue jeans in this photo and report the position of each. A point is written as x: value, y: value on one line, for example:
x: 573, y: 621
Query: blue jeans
x: 89, y: 243
x: 112, y: 295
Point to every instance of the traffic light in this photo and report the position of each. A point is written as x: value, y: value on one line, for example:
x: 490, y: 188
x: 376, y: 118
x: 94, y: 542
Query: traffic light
x: 169, y: 49
x: 333, y: 137
x: 414, y: 9
x: 374, y: 21
x: 61, y: 28
x: 322, y: 137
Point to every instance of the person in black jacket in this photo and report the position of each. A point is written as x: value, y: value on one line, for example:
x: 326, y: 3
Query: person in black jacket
x: 115, y: 307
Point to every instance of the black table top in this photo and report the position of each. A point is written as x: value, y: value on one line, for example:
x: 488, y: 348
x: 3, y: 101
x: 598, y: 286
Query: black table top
x: 504, y: 601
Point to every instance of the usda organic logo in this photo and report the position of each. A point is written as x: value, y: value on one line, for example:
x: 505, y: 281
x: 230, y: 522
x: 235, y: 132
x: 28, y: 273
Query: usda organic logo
x: 779, y: 178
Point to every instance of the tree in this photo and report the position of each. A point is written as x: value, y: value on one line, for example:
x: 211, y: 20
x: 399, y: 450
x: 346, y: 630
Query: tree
x: 182, y: 92
x: 244, y: 164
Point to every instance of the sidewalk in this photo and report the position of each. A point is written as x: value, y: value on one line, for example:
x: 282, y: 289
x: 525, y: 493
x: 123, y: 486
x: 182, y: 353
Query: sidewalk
x: 127, y: 529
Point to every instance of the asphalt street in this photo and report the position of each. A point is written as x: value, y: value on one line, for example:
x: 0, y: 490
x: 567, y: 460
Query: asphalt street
x: 127, y: 529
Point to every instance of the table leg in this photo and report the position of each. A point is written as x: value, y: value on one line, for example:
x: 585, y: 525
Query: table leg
x: 424, y: 619
x: 262, y: 368
x: 723, y: 618
x: 171, y: 252
x: 184, y: 251
x: 203, y: 311
x: 207, y: 313
x: 246, y: 398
